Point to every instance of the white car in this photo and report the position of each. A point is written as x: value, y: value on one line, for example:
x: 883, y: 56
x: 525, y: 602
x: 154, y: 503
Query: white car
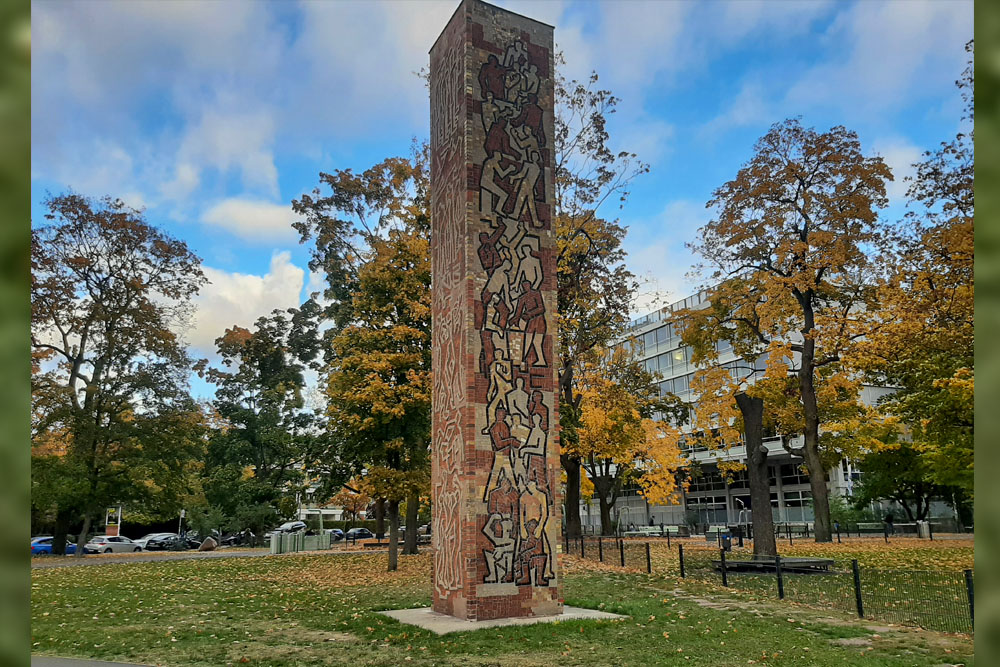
x: 106, y: 544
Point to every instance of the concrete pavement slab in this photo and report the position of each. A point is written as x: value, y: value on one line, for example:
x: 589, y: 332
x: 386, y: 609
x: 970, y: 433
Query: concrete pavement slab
x: 441, y: 624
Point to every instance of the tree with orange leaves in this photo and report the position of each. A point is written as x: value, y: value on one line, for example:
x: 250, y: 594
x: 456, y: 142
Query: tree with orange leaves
x: 924, y: 344
x: 626, y: 431
x: 790, y: 250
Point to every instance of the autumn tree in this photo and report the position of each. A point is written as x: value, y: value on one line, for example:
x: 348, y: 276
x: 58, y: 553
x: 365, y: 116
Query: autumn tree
x: 899, y: 472
x: 799, y: 227
x: 379, y: 387
x: 112, y: 416
x: 371, y: 236
x: 595, y: 289
x: 727, y: 413
x: 924, y: 344
x: 268, y: 438
x: 352, y: 499
x: 626, y: 431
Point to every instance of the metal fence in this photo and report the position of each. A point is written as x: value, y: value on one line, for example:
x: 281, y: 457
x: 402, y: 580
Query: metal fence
x: 936, y: 600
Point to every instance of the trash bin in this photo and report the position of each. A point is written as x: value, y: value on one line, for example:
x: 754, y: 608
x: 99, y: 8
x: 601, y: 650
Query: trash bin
x: 727, y: 542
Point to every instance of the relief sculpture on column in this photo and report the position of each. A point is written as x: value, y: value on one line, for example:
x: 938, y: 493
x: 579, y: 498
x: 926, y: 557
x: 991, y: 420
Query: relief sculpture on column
x: 513, y: 321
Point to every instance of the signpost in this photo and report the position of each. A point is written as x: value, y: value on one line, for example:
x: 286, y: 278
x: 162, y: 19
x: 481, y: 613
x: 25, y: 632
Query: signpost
x: 112, y: 521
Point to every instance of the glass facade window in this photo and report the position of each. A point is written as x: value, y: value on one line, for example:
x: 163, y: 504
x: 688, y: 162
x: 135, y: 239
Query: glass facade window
x: 710, y: 481
x: 649, y: 341
x: 663, y: 361
x: 791, y: 473
x: 680, y: 384
x: 798, y: 506
x: 710, y: 509
x: 739, y: 480
x: 663, y: 334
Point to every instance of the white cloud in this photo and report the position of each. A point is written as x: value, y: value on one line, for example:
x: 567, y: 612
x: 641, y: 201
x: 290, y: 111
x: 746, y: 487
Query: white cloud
x: 241, y: 141
x: 251, y: 219
x: 749, y: 107
x: 900, y: 154
x: 883, y: 53
x: 186, y: 179
x: 239, y: 299
x: 658, y: 257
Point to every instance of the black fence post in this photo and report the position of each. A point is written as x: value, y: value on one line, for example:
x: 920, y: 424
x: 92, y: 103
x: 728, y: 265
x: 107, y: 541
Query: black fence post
x: 781, y: 580
x: 649, y: 561
x: 583, y: 553
x: 722, y: 554
x: 930, y: 531
x: 566, y: 542
x: 621, y: 549
x: 972, y: 604
x: 788, y: 529
x: 668, y: 539
x: 885, y: 531
x: 857, y: 588
x: 838, y: 533
x: 600, y: 548
x: 807, y: 529
x: 680, y: 554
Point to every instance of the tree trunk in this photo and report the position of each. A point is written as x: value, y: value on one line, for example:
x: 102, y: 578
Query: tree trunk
x: 379, y: 518
x: 571, y: 464
x: 810, y: 411
x: 59, y: 534
x: 412, y: 505
x: 752, y: 409
x: 393, y: 511
x: 602, y: 489
x: 820, y: 494
x: 906, y: 507
x: 80, y: 541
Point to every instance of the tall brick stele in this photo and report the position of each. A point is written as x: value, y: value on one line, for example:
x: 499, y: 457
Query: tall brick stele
x: 495, y: 461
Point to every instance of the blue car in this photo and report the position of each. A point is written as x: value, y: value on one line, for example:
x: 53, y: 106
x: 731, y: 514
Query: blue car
x: 43, y: 545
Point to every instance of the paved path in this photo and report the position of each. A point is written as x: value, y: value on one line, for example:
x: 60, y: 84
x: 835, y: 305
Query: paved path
x: 49, y: 661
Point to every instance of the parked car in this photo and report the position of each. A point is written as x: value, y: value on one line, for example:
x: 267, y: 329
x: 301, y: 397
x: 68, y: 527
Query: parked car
x: 192, y: 540
x: 287, y: 527
x: 145, y: 539
x: 166, y: 542
x: 359, y: 534
x: 338, y: 534
x: 244, y: 537
x: 43, y: 545
x: 106, y: 544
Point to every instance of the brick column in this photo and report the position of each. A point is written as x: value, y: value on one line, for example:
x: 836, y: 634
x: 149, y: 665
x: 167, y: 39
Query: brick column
x: 495, y: 462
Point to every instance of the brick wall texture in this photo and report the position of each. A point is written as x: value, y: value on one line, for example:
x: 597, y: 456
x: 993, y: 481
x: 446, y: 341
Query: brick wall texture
x: 495, y: 462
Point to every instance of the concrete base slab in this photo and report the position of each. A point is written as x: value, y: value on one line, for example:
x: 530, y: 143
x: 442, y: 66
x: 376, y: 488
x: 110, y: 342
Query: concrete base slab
x: 441, y: 624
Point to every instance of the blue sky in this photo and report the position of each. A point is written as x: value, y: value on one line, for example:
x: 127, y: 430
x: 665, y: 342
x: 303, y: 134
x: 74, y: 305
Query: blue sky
x: 215, y: 115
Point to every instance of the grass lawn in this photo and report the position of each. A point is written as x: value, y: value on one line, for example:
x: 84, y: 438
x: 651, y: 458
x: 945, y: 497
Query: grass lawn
x: 320, y: 609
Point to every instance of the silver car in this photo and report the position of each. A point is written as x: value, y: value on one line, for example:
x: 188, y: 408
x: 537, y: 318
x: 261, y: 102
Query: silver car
x: 106, y: 544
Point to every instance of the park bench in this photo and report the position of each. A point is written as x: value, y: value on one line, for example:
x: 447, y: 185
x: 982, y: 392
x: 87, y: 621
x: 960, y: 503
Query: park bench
x: 384, y: 544
x: 765, y: 565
